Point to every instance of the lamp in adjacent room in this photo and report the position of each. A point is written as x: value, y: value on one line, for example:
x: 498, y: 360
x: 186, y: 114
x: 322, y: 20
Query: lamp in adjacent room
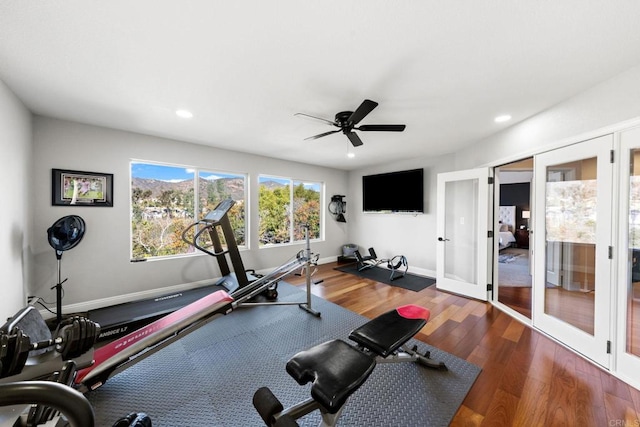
x: 526, y: 215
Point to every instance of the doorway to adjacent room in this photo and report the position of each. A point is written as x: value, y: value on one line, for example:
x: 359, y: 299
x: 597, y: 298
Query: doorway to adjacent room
x: 513, y: 268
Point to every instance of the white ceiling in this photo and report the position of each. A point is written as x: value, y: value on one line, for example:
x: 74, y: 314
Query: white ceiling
x: 443, y: 68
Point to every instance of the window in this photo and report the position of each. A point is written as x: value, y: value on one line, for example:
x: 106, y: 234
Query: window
x: 215, y: 187
x: 164, y: 199
x: 285, y: 206
x: 306, y: 209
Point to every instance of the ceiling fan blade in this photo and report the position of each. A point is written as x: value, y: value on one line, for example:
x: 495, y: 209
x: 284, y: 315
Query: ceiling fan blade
x: 317, y: 118
x: 322, y: 134
x: 361, y: 112
x: 354, y: 138
x: 382, y: 128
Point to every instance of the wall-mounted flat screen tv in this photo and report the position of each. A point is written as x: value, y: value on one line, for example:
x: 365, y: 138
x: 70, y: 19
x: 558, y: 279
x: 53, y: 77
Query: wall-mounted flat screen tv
x: 401, y: 191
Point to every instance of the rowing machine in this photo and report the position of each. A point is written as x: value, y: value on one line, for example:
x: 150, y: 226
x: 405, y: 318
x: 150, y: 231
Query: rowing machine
x: 137, y: 345
x: 396, y: 264
x: 304, y: 259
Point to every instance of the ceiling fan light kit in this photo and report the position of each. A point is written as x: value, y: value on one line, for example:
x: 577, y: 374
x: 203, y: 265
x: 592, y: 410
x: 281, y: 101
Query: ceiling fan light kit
x: 346, y: 121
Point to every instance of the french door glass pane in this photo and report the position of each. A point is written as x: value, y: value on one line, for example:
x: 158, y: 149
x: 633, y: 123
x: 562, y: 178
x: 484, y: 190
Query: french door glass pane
x: 570, y: 235
x: 633, y: 288
x: 461, y: 230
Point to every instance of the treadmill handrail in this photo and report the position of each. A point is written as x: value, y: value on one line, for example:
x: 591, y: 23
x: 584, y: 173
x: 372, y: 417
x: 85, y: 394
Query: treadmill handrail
x: 194, y: 242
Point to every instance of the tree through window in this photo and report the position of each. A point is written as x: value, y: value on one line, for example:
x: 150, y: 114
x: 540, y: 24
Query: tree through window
x: 164, y: 199
x: 285, y: 206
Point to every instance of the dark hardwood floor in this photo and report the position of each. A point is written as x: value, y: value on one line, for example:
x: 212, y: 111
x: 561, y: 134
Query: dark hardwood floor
x: 526, y: 379
x: 518, y: 299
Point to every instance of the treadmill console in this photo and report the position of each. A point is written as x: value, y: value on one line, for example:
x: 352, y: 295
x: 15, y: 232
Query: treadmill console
x: 220, y: 211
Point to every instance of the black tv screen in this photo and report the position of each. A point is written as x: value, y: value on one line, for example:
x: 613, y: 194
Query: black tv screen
x: 401, y: 191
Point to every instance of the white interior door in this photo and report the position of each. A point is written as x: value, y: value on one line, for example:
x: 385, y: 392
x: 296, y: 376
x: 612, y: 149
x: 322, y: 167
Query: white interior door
x: 573, y: 226
x: 628, y: 301
x: 462, y: 246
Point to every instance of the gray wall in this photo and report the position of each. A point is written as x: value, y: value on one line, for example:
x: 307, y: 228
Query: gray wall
x: 610, y: 103
x: 411, y: 235
x: 99, y: 269
x: 16, y: 213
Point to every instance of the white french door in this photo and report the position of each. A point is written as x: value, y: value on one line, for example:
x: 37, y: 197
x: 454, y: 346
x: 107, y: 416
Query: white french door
x: 573, y: 236
x: 462, y: 219
x: 628, y: 300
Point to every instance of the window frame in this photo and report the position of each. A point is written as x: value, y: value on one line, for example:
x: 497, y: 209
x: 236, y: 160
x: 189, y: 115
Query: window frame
x: 196, y: 214
x: 292, y: 183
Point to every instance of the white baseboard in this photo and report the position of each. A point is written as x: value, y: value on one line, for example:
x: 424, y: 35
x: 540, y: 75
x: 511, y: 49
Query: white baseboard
x: 422, y: 272
x: 168, y: 290
x: 413, y: 270
x: 152, y: 293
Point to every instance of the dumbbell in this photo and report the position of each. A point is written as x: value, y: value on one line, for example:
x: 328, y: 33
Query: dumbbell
x: 134, y: 419
x: 14, y: 351
x: 74, y: 336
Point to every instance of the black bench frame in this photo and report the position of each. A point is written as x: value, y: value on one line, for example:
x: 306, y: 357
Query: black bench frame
x: 338, y: 369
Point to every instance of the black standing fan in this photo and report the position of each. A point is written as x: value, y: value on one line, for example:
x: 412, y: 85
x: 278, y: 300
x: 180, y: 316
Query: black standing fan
x: 63, y: 235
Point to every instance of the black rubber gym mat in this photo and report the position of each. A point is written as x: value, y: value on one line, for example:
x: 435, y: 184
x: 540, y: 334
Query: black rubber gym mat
x: 208, y: 377
x: 410, y: 281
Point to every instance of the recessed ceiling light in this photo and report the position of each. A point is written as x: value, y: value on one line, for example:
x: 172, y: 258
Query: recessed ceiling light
x: 351, y: 155
x: 503, y: 118
x: 185, y: 114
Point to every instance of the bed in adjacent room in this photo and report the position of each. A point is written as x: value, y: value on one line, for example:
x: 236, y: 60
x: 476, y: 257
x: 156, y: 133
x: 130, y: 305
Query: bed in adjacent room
x: 507, y: 226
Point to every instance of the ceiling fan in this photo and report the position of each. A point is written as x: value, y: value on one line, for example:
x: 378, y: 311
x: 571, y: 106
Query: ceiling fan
x: 346, y: 121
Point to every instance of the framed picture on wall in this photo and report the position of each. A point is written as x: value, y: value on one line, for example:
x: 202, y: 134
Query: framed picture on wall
x: 76, y: 188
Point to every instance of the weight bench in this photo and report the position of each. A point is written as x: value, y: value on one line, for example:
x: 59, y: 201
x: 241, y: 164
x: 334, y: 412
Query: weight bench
x: 338, y: 369
x: 394, y: 264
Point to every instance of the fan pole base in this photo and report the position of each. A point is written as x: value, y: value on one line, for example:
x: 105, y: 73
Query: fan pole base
x: 59, y: 294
